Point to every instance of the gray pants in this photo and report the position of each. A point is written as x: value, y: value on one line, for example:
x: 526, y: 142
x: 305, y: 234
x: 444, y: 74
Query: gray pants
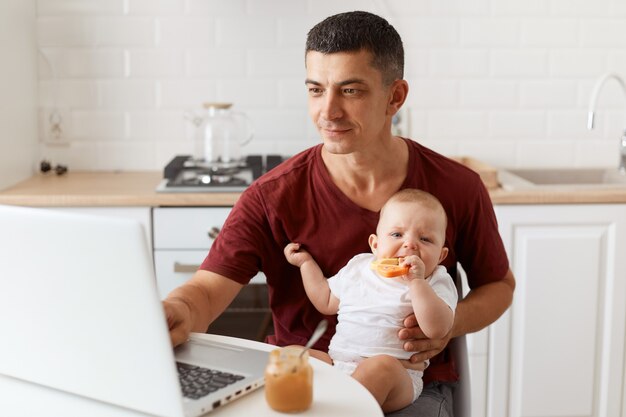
x: 434, y: 401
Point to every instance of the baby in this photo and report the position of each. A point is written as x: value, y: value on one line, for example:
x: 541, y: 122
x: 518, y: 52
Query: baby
x: 371, y: 308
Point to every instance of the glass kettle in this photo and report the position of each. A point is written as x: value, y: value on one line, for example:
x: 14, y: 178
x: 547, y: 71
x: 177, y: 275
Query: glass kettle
x: 220, y: 134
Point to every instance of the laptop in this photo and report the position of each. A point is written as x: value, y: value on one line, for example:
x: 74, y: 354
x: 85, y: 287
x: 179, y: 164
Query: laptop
x: 80, y: 313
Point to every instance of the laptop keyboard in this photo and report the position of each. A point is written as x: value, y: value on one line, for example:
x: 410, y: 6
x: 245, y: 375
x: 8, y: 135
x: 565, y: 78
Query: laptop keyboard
x: 197, y: 381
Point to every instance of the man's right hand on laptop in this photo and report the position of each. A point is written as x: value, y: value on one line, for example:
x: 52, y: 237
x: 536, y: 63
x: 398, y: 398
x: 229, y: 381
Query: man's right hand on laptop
x: 178, y: 316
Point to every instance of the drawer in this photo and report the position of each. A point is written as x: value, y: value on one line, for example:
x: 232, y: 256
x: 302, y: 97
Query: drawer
x: 174, y: 267
x: 187, y: 228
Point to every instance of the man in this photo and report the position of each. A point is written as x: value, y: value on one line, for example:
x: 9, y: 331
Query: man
x: 328, y: 197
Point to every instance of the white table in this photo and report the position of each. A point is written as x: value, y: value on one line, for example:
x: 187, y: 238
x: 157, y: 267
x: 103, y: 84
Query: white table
x: 334, y: 394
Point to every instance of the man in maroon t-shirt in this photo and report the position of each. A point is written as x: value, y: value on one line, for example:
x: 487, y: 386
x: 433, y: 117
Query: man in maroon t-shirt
x: 328, y: 197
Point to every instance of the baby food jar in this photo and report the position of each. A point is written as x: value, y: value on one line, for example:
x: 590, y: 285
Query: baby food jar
x: 289, y: 380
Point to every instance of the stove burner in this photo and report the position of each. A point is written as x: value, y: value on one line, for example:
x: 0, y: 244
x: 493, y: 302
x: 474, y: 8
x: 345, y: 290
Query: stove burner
x: 208, y: 179
x: 227, y: 179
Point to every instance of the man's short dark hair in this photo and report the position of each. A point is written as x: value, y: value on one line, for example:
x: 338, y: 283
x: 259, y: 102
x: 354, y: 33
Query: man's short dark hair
x: 354, y: 31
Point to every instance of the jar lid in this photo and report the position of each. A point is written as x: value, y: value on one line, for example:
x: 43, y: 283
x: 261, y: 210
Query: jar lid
x: 207, y: 105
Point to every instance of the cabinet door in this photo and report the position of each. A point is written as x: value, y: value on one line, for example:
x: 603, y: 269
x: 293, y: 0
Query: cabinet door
x: 559, y: 350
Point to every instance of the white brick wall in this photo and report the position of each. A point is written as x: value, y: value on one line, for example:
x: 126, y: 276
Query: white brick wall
x: 507, y: 81
x: 18, y: 87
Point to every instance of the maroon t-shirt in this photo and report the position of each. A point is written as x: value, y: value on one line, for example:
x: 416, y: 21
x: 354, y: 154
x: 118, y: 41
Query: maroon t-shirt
x: 298, y: 202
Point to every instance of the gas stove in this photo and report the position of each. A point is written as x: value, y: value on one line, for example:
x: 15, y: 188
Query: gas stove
x: 184, y: 174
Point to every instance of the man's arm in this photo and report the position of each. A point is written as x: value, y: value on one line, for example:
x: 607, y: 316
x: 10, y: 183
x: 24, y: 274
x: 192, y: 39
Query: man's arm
x: 481, y: 307
x: 194, y: 305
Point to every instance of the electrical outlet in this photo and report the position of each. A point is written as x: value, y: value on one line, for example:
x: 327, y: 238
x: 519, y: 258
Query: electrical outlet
x: 54, y: 124
x: 401, y: 123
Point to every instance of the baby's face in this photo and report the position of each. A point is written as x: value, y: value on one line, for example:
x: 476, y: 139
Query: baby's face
x: 407, y: 228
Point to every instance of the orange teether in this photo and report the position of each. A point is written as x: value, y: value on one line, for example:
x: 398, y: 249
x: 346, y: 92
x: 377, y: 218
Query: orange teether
x: 389, y: 267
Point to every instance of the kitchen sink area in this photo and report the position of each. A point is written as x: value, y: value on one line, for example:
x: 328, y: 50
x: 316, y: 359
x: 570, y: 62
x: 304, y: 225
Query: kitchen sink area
x: 537, y: 178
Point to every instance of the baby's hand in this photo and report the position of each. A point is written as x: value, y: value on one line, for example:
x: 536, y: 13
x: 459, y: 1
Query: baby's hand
x: 416, y: 267
x: 296, y: 256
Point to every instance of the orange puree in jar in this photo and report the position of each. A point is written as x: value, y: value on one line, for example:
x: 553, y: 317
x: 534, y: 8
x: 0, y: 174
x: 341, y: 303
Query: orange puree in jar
x: 289, y: 380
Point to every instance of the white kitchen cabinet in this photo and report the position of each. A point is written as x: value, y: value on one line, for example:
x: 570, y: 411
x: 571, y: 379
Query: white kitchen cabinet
x: 187, y: 228
x: 559, y: 350
x: 182, y: 239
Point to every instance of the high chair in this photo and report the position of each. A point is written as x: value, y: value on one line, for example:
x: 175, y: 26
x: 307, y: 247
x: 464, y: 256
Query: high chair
x: 458, y: 346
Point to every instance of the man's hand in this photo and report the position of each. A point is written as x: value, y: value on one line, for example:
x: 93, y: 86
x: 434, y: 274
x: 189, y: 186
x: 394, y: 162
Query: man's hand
x: 178, y: 315
x: 195, y: 304
x: 416, y: 341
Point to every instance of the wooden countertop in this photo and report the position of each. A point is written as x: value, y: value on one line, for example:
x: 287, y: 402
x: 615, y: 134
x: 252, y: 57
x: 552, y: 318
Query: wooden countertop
x: 107, y: 189
x: 559, y: 195
x: 102, y: 189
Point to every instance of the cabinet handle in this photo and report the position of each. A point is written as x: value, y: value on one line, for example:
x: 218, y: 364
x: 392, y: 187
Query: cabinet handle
x: 213, y: 232
x: 185, y: 268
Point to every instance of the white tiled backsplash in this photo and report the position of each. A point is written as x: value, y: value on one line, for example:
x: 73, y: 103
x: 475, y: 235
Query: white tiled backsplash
x: 506, y: 81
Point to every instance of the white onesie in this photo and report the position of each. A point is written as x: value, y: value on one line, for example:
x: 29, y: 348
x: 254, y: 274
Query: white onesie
x: 372, y: 310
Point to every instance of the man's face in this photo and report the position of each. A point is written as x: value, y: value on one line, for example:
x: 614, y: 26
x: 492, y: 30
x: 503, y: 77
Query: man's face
x: 347, y: 100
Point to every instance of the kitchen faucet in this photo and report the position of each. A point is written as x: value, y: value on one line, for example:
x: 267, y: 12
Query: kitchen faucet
x: 592, y: 107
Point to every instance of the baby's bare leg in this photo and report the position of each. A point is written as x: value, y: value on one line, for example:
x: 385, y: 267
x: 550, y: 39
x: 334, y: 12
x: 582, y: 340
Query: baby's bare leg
x: 387, y: 380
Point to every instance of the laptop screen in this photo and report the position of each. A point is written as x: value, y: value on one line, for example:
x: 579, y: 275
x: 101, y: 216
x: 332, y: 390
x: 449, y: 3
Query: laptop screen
x: 80, y: 308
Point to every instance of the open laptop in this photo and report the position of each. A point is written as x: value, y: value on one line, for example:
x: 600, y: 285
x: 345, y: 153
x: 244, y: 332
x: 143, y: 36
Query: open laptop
x: 80, y: 313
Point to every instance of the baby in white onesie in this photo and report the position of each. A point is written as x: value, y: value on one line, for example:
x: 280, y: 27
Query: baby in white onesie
x: 371, y: 308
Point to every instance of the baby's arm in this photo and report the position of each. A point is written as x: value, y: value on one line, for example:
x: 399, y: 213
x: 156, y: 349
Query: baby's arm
x: 315, y: 284
x: 434, y: 316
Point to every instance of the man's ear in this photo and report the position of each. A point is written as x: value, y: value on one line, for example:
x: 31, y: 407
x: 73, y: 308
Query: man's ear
x: 398, y: 93
x: 373, y: 241
x: 444, y: 253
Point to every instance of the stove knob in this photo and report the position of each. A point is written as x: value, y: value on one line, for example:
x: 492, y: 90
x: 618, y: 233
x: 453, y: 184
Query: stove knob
x: 213, y: 232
